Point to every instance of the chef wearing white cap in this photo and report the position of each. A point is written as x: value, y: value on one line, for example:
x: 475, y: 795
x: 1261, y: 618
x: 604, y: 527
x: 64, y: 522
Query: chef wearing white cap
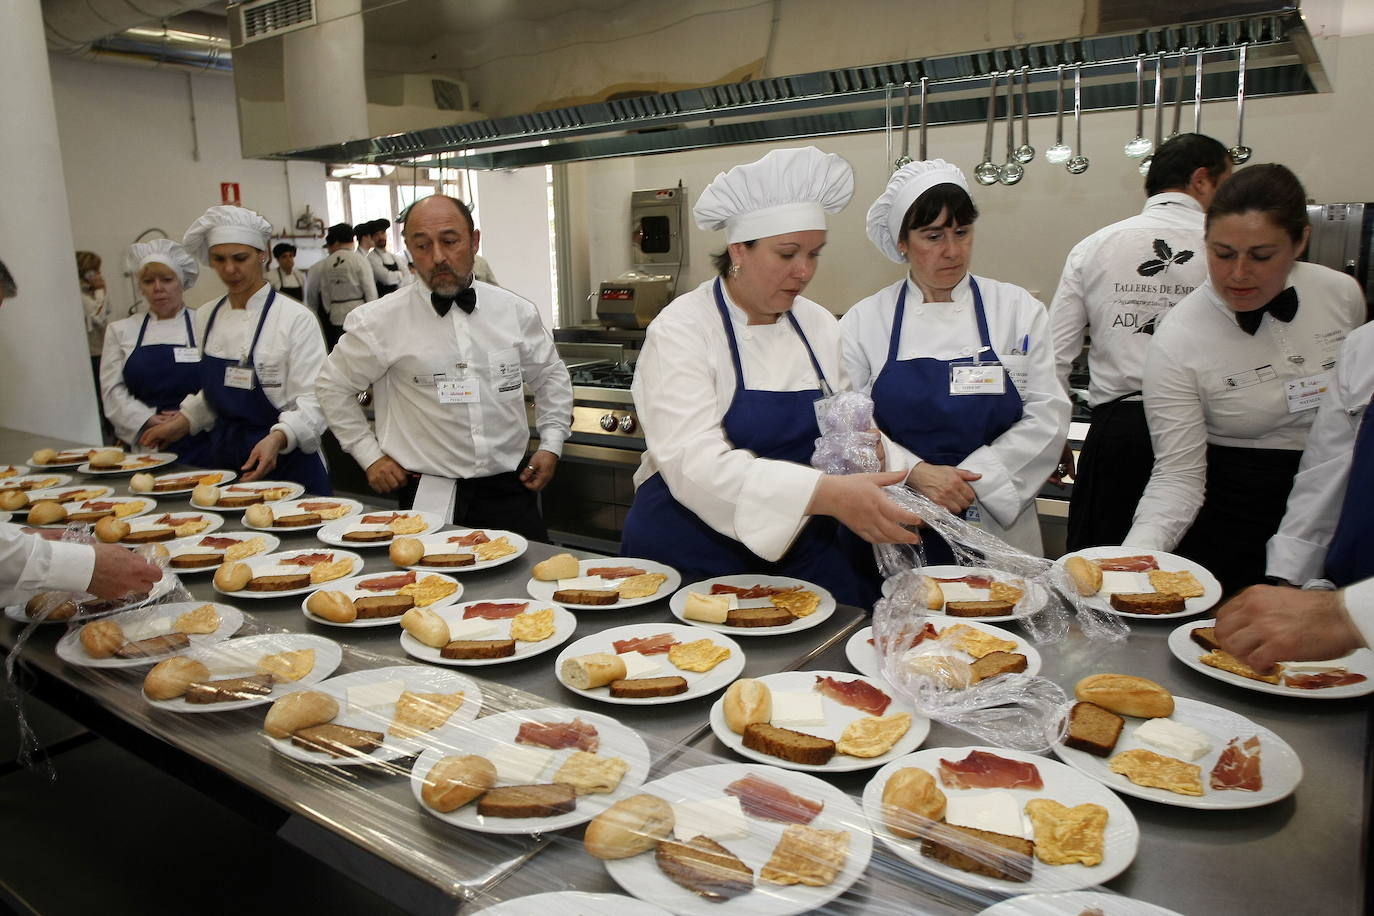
x: 961, y: 368
x: 260, y: 353
x: 152, y: 361
x: 725, y: 388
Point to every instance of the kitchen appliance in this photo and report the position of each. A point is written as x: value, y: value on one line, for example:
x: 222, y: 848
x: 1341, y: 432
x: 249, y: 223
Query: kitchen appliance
x: 1342, y: 239
x: 658, y: 249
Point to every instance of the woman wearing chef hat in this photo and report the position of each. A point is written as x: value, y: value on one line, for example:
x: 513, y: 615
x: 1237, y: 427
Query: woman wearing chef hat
x: 961, y: 368
x: 725, y: 388
x: 152, y: 361
x: 259, y: 356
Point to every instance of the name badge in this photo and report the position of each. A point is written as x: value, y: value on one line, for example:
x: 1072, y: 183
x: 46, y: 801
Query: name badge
x: 977, y: 379
x: 186, y: 354
x: 1307, y: 393
x: 238, y: 377
x: 458, y: 391
x: 269, y: 375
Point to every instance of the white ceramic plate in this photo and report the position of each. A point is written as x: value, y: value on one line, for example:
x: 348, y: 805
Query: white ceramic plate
x: 295, y: 506
x: 237, y: 658
x: 133, y: 464
x: 149, y: 504
x: 573, y: 903
x: 263, y: 561
x: 5, y: 516
x: 1280, y: 768
x: 564, y: 625
x: 1061, y: 783
x: 1032, y: 601
x: 484, y: 735
x: 350, y: 586
x: 418, y: 678
x: 641, y: 876
x: 1168, y: 562
x: 543, y: 591
x: 1361, y: 661
x: 10, y: 471
x: 160, y: 587
x: 294, y: 489
x: 192, y: 545
x: 1075, y: 903
x: 822, y: 612
x: 80, y: 452
x: 226, y: 476
x: 864, y: 657
x: 158, y: 620
x: 65, y: 494
x: 445, y: 542
x: 52, y: 480
x: 333, y: 532
x: 699, y: 683
x: 150, y: 521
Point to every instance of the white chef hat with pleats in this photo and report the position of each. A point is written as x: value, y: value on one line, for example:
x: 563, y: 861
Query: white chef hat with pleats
x: 163, y: 251
x: 884, y: 223
x: 223, y: 225
x: 788, y: 190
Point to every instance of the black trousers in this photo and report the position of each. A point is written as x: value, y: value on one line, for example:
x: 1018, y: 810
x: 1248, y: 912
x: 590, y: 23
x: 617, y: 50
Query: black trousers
x: 499, y: 501
x: 1113, y: 468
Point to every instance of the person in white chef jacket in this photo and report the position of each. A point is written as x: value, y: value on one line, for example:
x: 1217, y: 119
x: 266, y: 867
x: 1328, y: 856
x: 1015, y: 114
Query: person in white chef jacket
x: 1234, y: 377
x: 260, y: 352
x: 386, y: 271
x: 1115, y: 286
x: 284, y: 277
x: 343, y: 281
x: 448, y: 359
x: 725, y: 389
x: 960, y: 368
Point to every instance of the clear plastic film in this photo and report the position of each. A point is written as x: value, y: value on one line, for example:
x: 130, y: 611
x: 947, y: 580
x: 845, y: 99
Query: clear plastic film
x: 849, y: 441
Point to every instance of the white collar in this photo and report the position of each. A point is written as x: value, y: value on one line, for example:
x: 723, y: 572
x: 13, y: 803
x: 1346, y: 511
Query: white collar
x: 963, y: 290
x: 1171, y: 198
x: 738, y: 315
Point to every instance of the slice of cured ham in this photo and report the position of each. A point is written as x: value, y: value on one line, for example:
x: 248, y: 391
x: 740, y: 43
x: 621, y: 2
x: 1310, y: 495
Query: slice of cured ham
x: 857, y: 693
x: 750, y: 591
x: 386, y: 583
x: 380, y: 519
x: 1238, y: 767
x: 646, y: 645
x: 767, y: 800
x: 559, y: 735
x: 316, y: 506
x: 615, y: 572
x: 97, y: 505
x: 470, y: 540
x: 1324, y: 679
x: 927, y: 632
x: 490, y: 610
x: 218, y: 542
x: 970, y: 581
x: 173, y: 521
x: 309, y: 559
x: 1143, y: 563
x: 981, y: 770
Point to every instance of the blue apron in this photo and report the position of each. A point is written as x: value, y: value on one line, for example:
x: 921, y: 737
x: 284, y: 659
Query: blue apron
x: 243, y: 416
x: 153, y: 375
x: 780, y: 425
x: 912, y: 406
x: 1350, y: 558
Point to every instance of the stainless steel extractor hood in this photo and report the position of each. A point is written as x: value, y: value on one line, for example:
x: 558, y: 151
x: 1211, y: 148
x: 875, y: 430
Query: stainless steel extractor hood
x: 523, y: 82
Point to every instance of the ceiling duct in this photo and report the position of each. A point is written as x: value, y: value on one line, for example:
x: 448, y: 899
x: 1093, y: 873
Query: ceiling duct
x: 71, y: 26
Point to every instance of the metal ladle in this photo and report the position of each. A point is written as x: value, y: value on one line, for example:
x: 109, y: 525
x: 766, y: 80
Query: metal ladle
x: 1197, y: 95
x: 1240, y: 152
x: 1059, y: 153
x: 1012, y: 171
x: 904, y: 158
x: 1178, y: 90
x: 1139, y: 145
x: 924, y: 82
x: 1159, y: 113
x: 1025, y: 152
x: 1079, y: 163
x: 988, y: 172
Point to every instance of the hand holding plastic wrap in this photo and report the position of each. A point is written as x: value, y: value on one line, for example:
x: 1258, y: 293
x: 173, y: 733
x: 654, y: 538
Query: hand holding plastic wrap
x: 848, y: 442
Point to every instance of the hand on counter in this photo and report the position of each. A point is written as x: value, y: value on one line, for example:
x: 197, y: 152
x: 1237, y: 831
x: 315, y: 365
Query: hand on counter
x: 263, y: 458
x: 1266, y: 624
x: 858, y: 502
x: 385, y: 476
x: 944, y: 484
x: 539, y: 471
x: 164, y: 434
x: 1066, y: 467
x: 119, y: 572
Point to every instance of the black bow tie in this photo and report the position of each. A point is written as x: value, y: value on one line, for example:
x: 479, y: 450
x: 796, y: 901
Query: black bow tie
x: 465, y: 299
x: 1283, y: 307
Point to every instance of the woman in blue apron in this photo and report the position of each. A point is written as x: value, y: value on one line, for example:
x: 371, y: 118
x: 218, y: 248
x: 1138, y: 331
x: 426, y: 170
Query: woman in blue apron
x: 150, y: 361
x: 961, y: 370
x: 726, y: 386
x: 260, y: 353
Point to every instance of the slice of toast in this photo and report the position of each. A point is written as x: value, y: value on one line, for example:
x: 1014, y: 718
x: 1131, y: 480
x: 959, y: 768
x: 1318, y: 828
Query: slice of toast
x: 645, y: 687
x: 279, y: 583
x: 588, y: 596
x: 1093, y: 729
x: 705, y: 867
x: 448, y: 560
x: 979, y: 608
x: 230, y: 689
x: 376, y: 606
x: 759, y: 617
x: 528, y: 801
x: 337, y: 740
x: 478, y: 648
x: 1205, y: 637
x: 995, y: 663
x: 786, y: 744
x: 1148, y: 602
x: 982, y: 852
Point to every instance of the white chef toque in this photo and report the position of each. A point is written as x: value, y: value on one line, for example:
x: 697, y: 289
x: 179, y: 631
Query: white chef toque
x: 904, y: 187
x: 222, y: 225
x: 788, y: 190
x: 163, y: 251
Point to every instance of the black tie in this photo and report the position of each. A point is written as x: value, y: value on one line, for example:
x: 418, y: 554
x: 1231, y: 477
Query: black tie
x: 465, y: 299
x: 1283, y: 307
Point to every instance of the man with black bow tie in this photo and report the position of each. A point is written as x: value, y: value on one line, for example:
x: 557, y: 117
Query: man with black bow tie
x: 448, y: 359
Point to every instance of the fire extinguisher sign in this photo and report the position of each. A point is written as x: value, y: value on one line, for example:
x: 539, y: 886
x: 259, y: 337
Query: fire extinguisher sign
x: 229, y: 193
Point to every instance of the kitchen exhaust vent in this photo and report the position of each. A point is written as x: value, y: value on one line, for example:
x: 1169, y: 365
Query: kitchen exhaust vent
x: 266, y: 18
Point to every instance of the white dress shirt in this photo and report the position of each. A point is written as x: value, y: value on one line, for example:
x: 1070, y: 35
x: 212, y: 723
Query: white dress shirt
x: 125, y: 412
x: 382, y: 272
x: 345, y: 282
x: 1297, y: 552
x: 1359, y: 603
x: 291, y: 347
x: 1017, y: 463
x: 1207, y: 381
x: 97, y: 308
x: 30, y: 564
x: 1103, y: 291
x: 401, y: 347
x: 684, y: 383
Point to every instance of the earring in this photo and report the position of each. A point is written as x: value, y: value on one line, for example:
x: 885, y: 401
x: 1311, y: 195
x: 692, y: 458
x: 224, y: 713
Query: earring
x: 734, y: 270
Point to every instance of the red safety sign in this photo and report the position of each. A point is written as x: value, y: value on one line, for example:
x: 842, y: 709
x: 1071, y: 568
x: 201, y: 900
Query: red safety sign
x: 229, y: 193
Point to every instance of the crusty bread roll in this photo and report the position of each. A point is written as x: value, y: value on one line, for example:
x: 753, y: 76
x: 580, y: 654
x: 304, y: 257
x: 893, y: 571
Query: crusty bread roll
x: 101, y: 638
x: 454, y: 781
x: 1086, y: 575
x: 935, y: 595
x: 259, y: 516
x: 46, y: 512
x: 559, y: 566
x: 335, y: 607
x: 1126, y: 695
x: 629, y: 827
x: 233, y: 577
x: 43, y: 456
x: 747, y: 701
x: 205, y: 495
x: 13, y: 500
x: 706, y: 608
x: 111, y: 530
x: 911, y: 794
x: 107, y: 456
x: 141, y: 483
x: 170, y: 678
x: 298, y: 710
x: 407, y: 551
x: 596, y: 670
x: 426, y: 626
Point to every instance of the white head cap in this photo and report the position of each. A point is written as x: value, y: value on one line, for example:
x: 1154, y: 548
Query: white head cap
x: 163, y: 251
x: 906, y: 185
x: 788, y: 190
x: 222, y: 225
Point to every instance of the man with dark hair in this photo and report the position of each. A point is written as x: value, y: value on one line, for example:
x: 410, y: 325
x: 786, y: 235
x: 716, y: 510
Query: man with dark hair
x: 1117, y: 283
x: 340, y: 283
x: 283, y: 277
x: 363, y: 233
x: 385, y: 270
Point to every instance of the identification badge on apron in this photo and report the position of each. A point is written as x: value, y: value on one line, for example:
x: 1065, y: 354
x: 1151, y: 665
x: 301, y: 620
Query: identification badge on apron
x: 186, y: 354
x: 238, y: 377
x: 977, y: 379
x: 458, y: 391
x: 1307, y: 393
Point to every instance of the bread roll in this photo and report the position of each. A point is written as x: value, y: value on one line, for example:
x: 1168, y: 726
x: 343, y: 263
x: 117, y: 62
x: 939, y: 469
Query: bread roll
x: 153, y: 552
x: 205, y: 495
x: 141, y: 483
x: 1086, y: 575
x: 298, y: 710
x: 629, y: 827
x: 454, y: 781
x: 13, y: 500
x: 46, y: 512
x: 111, y: 530
x: 747, y: 701
x: 169, y: 679
x: 706, y: 608
x: 101, y: 638
x: 426, y: 626
x: 407, y: 551
x: 559, y: 566
x: 911, y: 794
x: 50, y: 606
x: 335, y: 607
x: 106, y: 456
x: 233, y: 577
x: 259, y: 516
x: 43, y: 456
x: 596, y: 670
x: 935, y: 595
x: 1126, y: 695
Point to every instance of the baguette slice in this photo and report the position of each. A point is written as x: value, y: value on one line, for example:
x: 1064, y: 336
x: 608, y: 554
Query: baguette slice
x: 1093, y: 729
x: 645, y: 687
x: 759, y: 617
x: 981, y: 852
x: 478, y: 648
x: 784, y: 743
x: 1148, y: 602
x: 979, y: 608
x: 528, y: 801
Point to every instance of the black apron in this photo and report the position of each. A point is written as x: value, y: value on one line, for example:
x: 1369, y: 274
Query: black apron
x: 1114, y: 467
x: 498, y: 501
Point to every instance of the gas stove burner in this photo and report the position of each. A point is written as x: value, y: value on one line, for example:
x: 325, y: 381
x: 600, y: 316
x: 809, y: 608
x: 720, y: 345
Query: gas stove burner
x: 604, y: 376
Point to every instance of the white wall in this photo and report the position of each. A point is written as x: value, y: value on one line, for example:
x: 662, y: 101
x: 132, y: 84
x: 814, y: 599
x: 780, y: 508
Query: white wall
x: 513, y: 217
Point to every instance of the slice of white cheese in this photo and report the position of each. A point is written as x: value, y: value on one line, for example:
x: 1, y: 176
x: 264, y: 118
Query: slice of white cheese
x: 793, y: 710
x: 371, y: 696
x: 226, y: 662
x: 960, y: 591
x: 1335, y: 664
x: 996, y: 811
x: 639, y: 665
x: 145, y: 629
x: 1124, y: 583
x: 369, y: 528
x: 718, y: 819
x: 279, y: 570
x: 582, y: 582
x: 473, y: 628
x: 1175, y: 738
x: 518, y: 765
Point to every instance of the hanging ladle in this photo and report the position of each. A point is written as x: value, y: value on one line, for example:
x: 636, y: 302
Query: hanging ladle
x: 1240, y: 152
x: 904, y: 158
x: 924, y: 83
x: 988, y: 171
x: 1178, y: 90
x: 1139, y: 145
x: 1012, y: 171
x: 1079, y: 163
x: 1159, y: 113
x: 1197, y: 95
x: 1025, y: 152
x: 1059, y: 153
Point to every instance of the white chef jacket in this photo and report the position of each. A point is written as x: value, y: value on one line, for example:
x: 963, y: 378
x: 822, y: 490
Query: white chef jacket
x: 125, y: 412
x: 382, y: 271
x: 345, y: 282
x: 30, y: 564
x: 399, y: 345
x: 1297, y: 552
x: 279, y: 279
x: 1117, y: 283
x: 1359, y: 603
x: 96, y: 306
x: 1207, y: 381
x: 1018, y: 462
x: 291, y: 346
x: 683, y: 385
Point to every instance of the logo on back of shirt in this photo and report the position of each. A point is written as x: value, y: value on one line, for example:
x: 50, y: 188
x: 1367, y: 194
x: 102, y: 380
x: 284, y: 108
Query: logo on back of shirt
x: 1163, y: 260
